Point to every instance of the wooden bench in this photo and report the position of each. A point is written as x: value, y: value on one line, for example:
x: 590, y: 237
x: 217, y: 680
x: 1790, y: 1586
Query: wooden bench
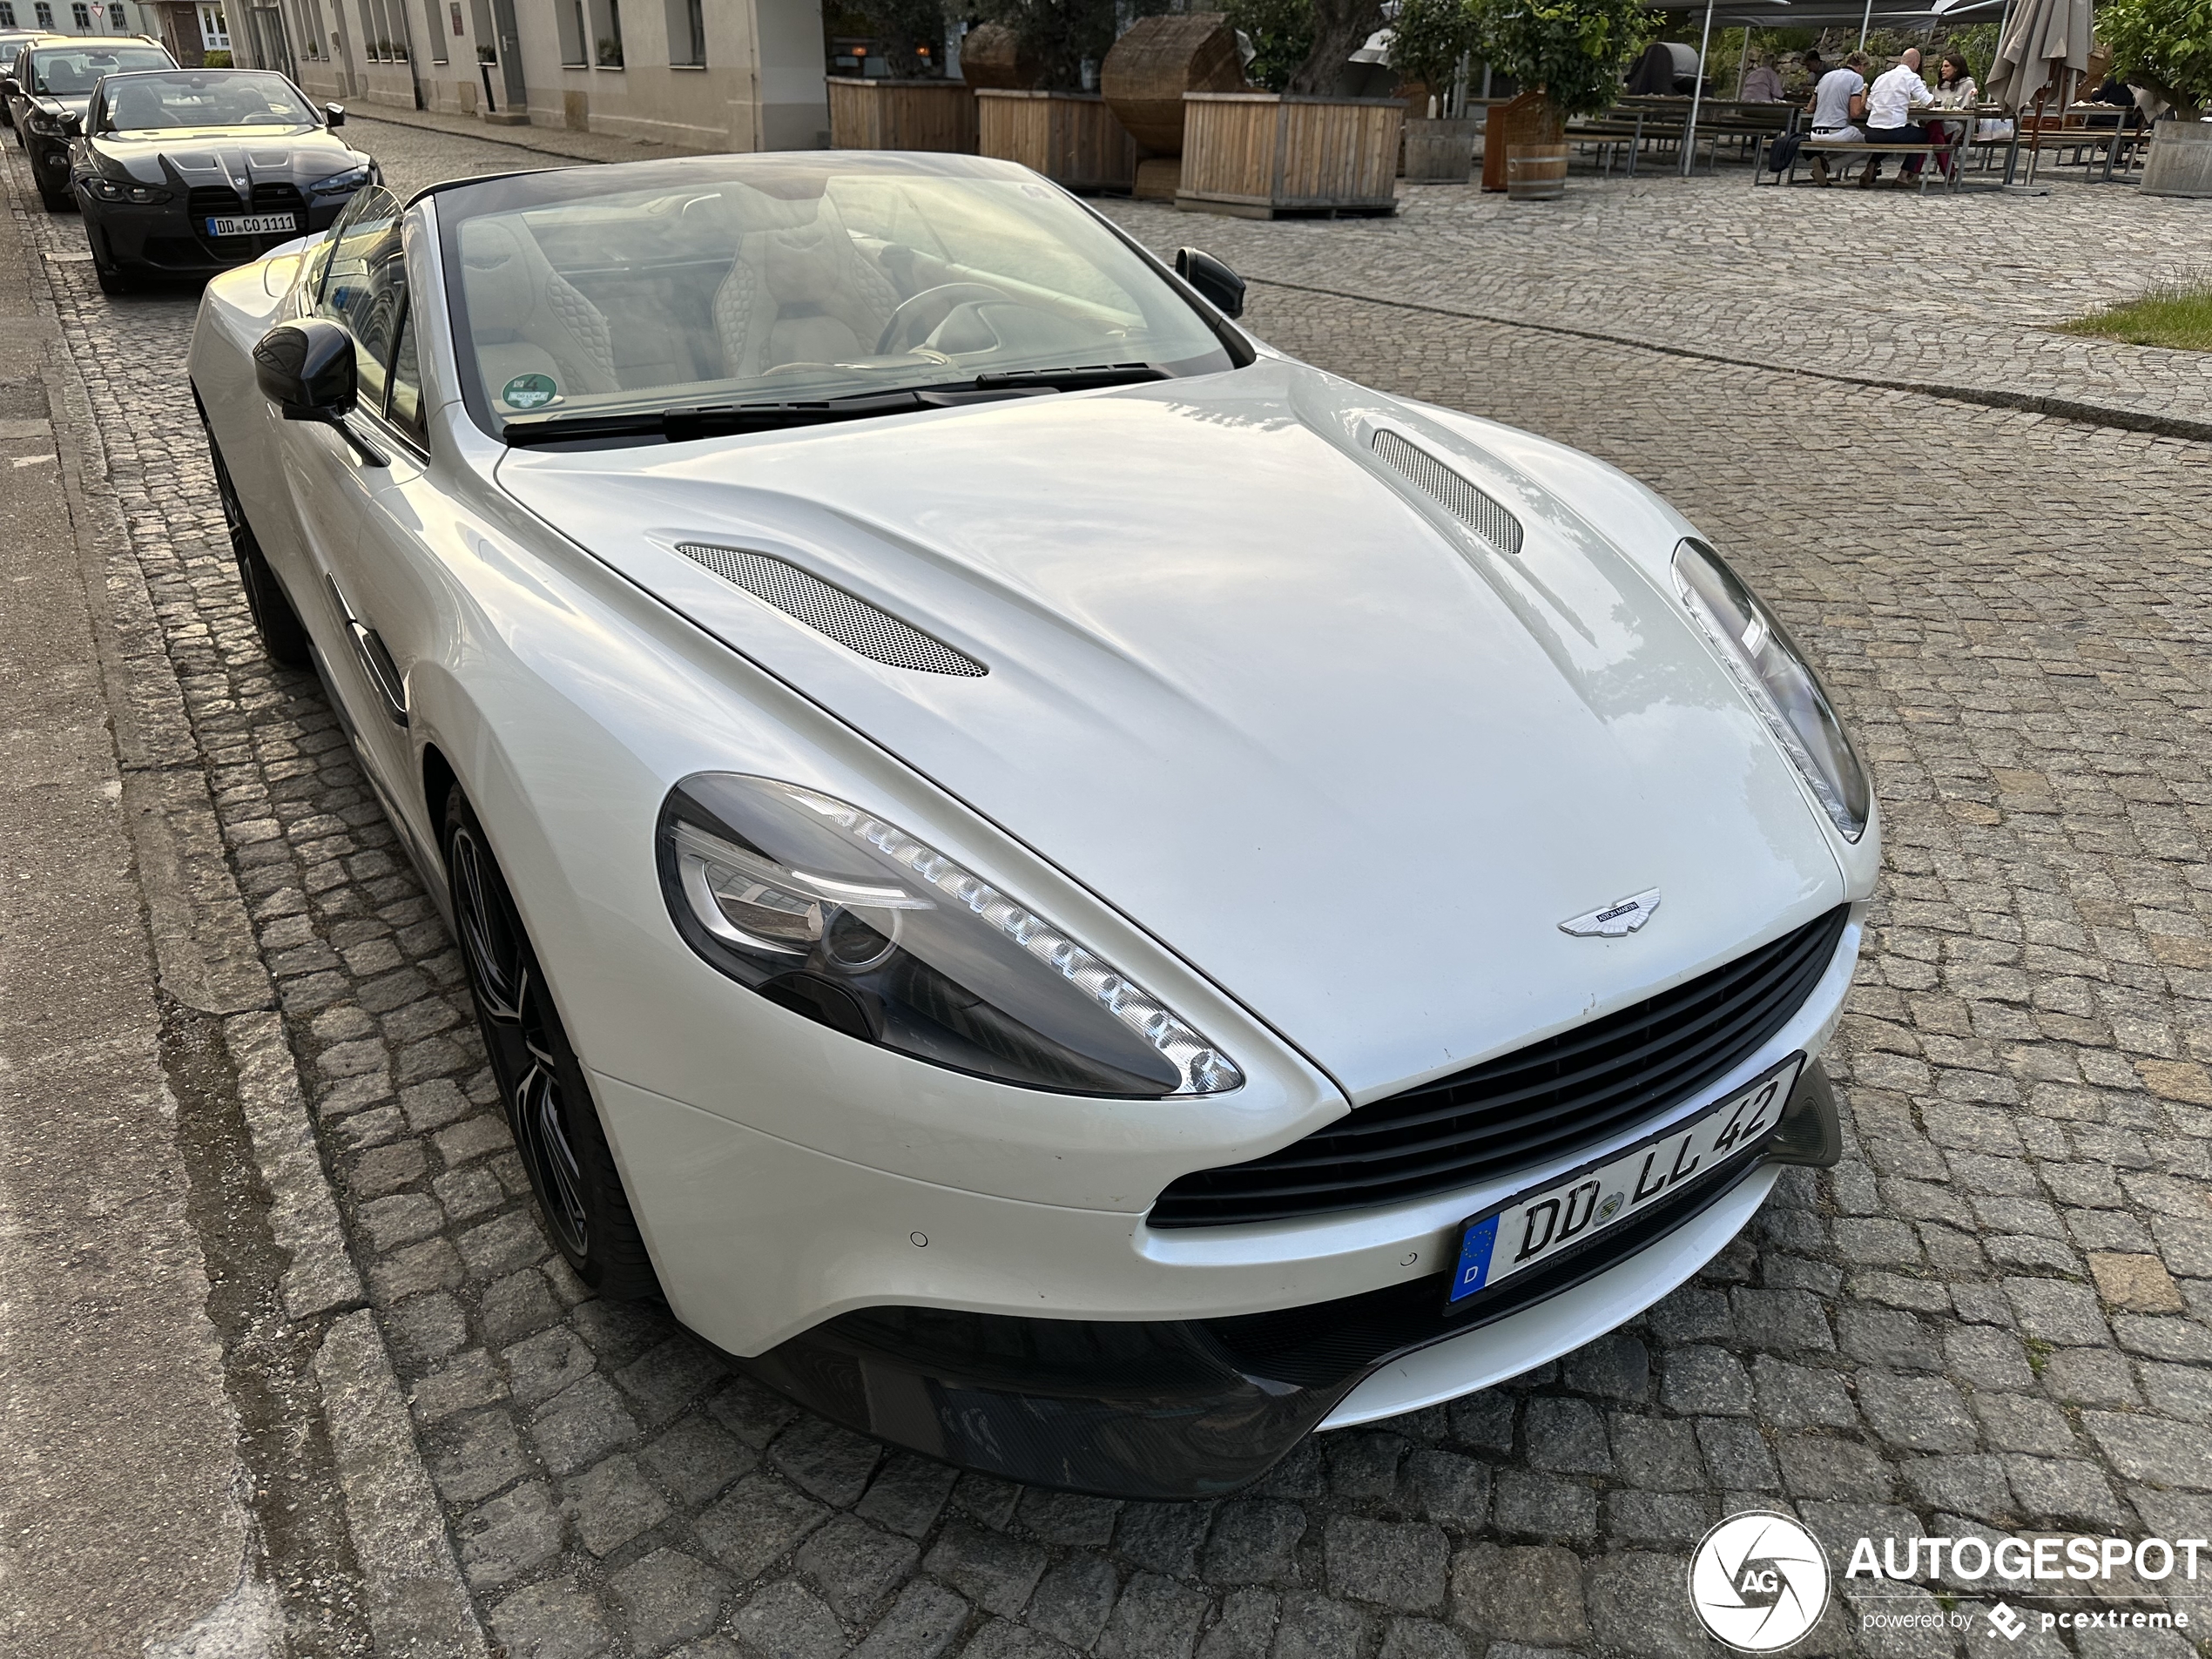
x: 1930, y: 151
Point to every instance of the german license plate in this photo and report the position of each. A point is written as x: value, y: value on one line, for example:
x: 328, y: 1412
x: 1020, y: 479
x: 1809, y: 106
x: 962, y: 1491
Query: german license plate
x: 1533, y: 1227
x: 254, y: 225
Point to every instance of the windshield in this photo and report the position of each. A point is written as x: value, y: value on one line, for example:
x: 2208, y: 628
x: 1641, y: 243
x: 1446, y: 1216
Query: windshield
x: 71, y: 72
x: 200, y: 100
x: 749, y: 280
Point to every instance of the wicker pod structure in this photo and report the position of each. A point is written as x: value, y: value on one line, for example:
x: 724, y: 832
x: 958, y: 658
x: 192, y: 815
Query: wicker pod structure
x: 994, y: 55
x: 1158, y: 60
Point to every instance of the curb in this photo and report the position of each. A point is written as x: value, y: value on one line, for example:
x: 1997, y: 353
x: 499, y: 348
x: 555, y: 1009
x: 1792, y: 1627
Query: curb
x: 208, y: 960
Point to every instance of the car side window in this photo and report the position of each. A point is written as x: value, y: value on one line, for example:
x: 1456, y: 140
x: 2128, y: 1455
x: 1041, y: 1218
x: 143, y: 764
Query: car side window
x: 364, y: 286
x: 406, y: 409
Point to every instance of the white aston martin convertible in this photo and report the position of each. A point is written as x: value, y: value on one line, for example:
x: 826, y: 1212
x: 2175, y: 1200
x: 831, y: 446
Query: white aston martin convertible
x: 1081, y: 896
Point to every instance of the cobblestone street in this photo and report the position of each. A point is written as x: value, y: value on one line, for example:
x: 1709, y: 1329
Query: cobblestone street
x: 1994, y: 1316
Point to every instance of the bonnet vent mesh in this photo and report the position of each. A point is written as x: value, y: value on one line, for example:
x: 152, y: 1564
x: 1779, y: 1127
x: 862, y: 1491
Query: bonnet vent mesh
x: 854, y: 623
x: 1451, y: 492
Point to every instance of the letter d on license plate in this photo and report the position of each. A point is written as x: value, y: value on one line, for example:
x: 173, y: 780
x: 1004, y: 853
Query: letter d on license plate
x: 1533, y: 1227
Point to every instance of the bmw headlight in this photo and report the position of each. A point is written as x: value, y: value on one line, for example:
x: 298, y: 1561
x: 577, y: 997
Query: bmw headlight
x: 1770, y: 667
x: 839, y: 916
x: 341, y: 183
x: 50, y: 125
x: 122, y: 190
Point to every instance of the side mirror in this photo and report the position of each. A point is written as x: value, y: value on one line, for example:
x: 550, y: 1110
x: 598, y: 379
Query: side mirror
x: 1219, y: 286
x: 307, y: 369
x: 334, y: 115
x: 72, y: 125
x: 10, y: 87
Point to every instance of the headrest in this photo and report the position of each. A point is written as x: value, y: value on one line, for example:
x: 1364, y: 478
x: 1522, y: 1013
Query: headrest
x: 803, y: 265
x: 498, y: 274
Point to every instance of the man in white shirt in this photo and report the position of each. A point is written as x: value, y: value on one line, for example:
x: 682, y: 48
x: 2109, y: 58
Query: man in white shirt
x: 1897, y: 96
x: 1838, y: 102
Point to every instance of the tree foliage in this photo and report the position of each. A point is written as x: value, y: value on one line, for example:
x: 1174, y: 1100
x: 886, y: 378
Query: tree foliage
x: 1062, y: 34
x: 1281, y: 32
x: 2164, y: 45
x: 1576, y: 51
x: 1428, y: 38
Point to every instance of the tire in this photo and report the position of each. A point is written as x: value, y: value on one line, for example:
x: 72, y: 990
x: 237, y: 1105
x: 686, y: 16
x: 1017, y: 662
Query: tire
x: 284, y: 641
x: 580, y: 1199
x: 56, y: 201
x: 114, y: 279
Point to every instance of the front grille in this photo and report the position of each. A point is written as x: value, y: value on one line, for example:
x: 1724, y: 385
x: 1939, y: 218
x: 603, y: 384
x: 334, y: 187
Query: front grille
x: 854, y: 623
x: 212, y: 201
x: 1539, y: 1104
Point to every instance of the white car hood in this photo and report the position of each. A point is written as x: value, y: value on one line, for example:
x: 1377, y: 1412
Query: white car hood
x: 1262, y: 696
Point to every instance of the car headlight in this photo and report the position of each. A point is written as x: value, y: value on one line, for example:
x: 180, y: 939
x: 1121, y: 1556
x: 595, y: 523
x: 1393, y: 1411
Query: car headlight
x: 836, y: 914
x: 116, y: 190
x: 49, y: 125
x: 346, y: 182
x: 1767, y: 663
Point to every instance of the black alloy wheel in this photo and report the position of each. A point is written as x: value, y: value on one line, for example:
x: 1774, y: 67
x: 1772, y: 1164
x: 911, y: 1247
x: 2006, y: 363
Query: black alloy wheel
x: 283, y: 638
x: 114, y: 280
x: 548, y: 1105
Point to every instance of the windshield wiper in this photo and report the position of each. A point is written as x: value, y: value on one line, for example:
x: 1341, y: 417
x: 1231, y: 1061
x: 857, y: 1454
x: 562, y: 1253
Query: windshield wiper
x: 729, y: 420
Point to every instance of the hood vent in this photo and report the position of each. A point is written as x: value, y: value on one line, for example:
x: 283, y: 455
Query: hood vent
x: 1451, y: 492
x: 854, y: 623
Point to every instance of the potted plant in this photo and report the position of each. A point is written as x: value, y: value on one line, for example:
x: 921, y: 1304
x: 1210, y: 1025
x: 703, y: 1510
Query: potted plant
x: 2165, y: 46
x: 914, y: 107
x: 1428, y: 41
x: 1304, y: 150
x: 1027, y: 62
x: 1570, y: 55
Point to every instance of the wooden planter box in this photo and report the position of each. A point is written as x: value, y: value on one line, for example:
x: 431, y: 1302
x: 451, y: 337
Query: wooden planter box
x: 1071, y: 137
x: 1440, y: 152
x: 1258, y: 154
x: 901, y: 115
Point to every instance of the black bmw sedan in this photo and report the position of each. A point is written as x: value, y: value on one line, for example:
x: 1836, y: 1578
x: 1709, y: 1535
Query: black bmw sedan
x: 49, y: 91
x: 186, y: 172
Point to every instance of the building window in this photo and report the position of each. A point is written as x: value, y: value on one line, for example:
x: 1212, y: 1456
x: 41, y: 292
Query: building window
x: 7, y: 14
x: 687, y: 34
x: 83, y: 13
x: 606, y: 35
x: 214, y: 30
x: 437, y: 35
x: 46, y: 15
x: 568, y: 17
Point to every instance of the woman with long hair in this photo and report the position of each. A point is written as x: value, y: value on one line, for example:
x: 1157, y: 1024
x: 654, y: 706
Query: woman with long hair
x: 1954, y: 90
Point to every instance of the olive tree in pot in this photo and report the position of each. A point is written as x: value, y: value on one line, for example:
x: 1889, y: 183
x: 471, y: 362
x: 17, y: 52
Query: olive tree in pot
x: 2165, y: 46
x: 1571, y: 55
x: 1428, y: 41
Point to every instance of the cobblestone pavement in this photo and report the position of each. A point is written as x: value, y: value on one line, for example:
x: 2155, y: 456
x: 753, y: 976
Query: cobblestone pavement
x: 1991, y: 1315
x: 1939, y: 291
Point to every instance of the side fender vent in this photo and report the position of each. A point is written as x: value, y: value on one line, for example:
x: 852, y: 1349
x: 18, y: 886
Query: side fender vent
x: 1453, y: 493
x: 854, y: 623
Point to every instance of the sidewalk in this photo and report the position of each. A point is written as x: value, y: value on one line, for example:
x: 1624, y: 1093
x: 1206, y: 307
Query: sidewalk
x: 551, y: 141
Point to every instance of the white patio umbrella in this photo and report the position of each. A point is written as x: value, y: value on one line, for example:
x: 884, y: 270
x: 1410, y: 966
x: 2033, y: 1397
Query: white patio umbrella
x: 2044, y: 41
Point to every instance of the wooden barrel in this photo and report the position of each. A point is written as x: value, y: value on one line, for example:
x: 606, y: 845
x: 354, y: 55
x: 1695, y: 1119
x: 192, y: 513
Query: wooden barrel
x: 1440, y: 152
x: 992, y: 55
x: 1160, y: 58
x: 1535, y: 172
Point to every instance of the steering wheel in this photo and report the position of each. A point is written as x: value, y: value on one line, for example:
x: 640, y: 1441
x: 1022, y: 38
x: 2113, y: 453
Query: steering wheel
x: 915, y: 318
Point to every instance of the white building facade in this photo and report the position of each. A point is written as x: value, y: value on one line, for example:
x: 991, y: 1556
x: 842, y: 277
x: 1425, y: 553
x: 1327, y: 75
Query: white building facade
x: 704, y: 74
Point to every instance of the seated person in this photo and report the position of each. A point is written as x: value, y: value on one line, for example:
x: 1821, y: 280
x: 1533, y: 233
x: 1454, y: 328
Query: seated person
x: 1954, y: 90
x: 1897, y: 96
x: 1814, y: 70
x: 1761, y: 85
x: 1837, y: 104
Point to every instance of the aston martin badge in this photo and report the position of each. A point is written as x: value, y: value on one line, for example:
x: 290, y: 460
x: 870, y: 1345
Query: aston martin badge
x: 1622, y: 916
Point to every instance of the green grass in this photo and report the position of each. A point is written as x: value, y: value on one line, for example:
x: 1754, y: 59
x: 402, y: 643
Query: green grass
x: 2176, y: 314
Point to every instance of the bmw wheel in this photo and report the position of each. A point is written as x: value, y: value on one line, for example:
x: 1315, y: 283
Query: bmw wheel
x: 548, y: 1105
x: 282, y: 637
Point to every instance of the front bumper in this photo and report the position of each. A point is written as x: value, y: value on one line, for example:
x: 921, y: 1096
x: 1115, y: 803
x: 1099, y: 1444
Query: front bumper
x: 163, y: 239
x: 1080, y: 1348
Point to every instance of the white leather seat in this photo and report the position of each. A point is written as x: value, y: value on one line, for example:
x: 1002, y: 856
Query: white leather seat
x: 526, y: 317
x: 799, y: 293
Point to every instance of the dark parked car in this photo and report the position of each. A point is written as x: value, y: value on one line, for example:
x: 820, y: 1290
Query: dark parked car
x: 12, y: 41
x: 184, y: 173
x: 47, y: 95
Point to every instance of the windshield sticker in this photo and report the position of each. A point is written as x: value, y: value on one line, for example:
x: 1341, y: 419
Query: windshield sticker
x: 529, y: 392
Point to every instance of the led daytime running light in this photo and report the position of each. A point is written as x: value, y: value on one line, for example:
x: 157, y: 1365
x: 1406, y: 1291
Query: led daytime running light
x: 1205, y: 1070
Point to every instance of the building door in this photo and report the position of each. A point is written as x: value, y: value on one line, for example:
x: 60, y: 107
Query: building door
x: 271, y: 49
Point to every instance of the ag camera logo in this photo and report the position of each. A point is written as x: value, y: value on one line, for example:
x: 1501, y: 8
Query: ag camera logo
x: 1758, y: 1582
